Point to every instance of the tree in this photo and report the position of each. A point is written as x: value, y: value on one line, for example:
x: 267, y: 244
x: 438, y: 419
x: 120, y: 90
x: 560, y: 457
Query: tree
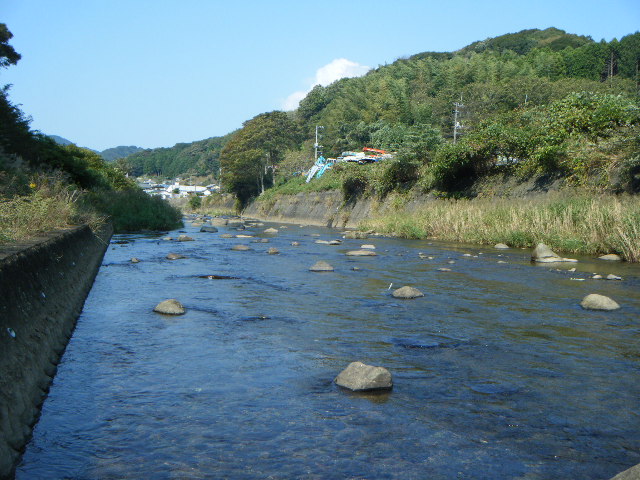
x: 250, y: 156
x: 8, y: 56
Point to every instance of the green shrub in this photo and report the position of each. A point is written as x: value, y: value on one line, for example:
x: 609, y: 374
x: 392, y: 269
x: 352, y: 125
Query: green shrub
x: 133, y: 210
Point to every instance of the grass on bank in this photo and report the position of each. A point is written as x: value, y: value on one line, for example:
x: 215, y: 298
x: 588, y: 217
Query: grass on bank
x: 52, y: 205
x: 576, y: 223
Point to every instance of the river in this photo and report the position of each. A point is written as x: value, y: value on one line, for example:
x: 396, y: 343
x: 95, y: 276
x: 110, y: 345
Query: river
x: 498, y: 372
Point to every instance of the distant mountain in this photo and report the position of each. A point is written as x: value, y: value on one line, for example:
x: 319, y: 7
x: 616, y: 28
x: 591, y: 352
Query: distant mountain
x: 114, y: 153
x: 60, y: 140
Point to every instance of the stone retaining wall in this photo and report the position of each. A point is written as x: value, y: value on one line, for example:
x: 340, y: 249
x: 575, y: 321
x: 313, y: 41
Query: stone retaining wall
x: 43, y: 286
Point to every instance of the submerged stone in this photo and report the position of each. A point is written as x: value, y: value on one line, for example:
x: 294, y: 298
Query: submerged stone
x: 361, y: 253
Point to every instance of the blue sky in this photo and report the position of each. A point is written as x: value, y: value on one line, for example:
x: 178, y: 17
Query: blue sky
x: 152, y: 73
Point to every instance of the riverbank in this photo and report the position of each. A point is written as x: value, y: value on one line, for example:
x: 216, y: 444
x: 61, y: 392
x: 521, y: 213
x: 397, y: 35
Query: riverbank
x: 567, y: 220
x: 44, y: 284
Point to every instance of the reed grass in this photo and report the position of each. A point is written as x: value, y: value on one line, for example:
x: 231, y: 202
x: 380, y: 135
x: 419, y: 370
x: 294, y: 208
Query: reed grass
x: 575, y: 223
x: 50, y: 206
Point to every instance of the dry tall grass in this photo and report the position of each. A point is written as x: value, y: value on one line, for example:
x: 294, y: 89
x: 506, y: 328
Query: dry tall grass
x: 50, y: 206
x: 571, y: 223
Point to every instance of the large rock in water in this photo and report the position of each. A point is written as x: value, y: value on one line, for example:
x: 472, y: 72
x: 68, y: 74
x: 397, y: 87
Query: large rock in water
x: 240, y: 248
x: 594, y: 301
x: 360, y: 377
x: 407, y: 292
x: 170, y: 307
x: 543, y: 254
x: 321, y: 266
x: 632, y: 473
x: 361, y: 253
x: 354, y: 234
x: 185, y: 238
x: 175, y: 256
x: 611, y: 257
x: 208, y: 229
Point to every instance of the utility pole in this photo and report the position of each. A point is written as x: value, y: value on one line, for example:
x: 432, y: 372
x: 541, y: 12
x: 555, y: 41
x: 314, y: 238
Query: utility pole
x: 456, y: 124
x: 316, y: 145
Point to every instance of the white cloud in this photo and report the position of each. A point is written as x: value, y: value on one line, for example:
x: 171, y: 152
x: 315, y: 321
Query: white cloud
x: 329, y: 73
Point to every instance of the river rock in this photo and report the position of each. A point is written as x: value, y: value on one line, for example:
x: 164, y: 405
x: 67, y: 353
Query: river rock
x: 235, y: 222
x: 611, y: 257
x: 175, y: 256
x: 170, y: 307
x: 407, y: 292
x: 361, y: 377
x: 361, y: 253
x: 354, y: 234
x: 226, y: 235
x: 271, y: 230
x: 543, y: 254
x: 335, y: 242
x: 501, y: 246
x: 322, y: 242
x: 295, y: 244
x: 368, y: 247
x: 240, y: 248
x: 185, y: 238
x: 243, y: 235
x: 611, y: 276
x: 321, y: 266
x: 134, y: 260
x: 594, y: 301
x: 218, y: 222
x: 273, y: 251
x: 632, y: 473
x: 208, y: 229
x: 167, y: 239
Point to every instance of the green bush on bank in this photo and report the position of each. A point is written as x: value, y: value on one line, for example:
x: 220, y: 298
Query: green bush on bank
x: 132, y: 210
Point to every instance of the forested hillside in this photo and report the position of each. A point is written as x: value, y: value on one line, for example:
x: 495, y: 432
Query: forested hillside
x: 544, y: 99
x: 196, y: 158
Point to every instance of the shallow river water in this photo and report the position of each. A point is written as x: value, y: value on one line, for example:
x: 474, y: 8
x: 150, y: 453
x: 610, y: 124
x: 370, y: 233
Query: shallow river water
x: 498, y: 372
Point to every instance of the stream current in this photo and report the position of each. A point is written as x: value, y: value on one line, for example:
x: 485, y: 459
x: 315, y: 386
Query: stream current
x: 498, y: 372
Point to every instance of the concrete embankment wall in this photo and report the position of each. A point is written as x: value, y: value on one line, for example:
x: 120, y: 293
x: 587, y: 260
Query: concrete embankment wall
x: 329, y: 208
x: 43, y: 286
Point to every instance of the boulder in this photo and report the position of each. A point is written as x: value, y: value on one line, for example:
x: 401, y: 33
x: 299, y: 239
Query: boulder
x: 235, y: 222
x: 322, y: 242
x: 632, y: 473
x: 335, y: 242
x: 218, y: 222
x: 501, y: 246
x: 354, y: 234
x: 295, y: 244
x: 170, y: 307
x: 185, y: 238
x: 361, y: 377
x: 271, y: 230
x: 273, y: 251
x: 134, y: 260
x: 175, y: 256
x: 611, y: 257
x: 243, y: 235
x: 208, y: 229
x: 240, y: 248
x: 611, y: 276
x: 226, y: 235
x: 321, y: 266
x: 361, y: 253
x: 167, y: 239
x: 368, y: 247
x: 543, y: 254
x: 594, y: 301
x: 407, y: 292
